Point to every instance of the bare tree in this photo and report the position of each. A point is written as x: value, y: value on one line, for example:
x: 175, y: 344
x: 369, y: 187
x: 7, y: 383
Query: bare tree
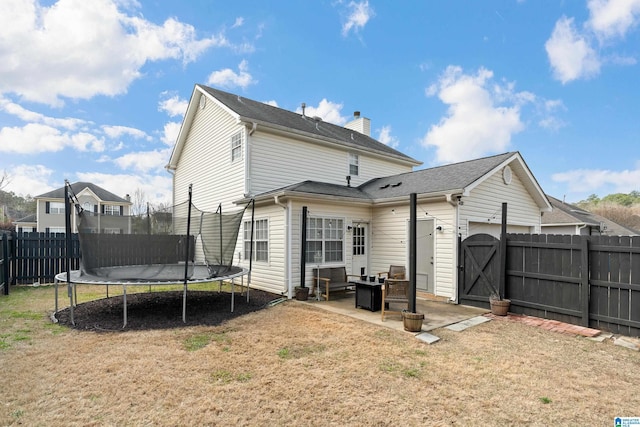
x: 4, y: 180
x: 139, y: 202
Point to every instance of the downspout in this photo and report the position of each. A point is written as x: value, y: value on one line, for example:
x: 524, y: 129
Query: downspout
x: 456, y: 208
x: 287, y: 244
x: 247, y: 161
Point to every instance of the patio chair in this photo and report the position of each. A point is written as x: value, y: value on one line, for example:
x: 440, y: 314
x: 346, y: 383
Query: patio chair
x: 395, y: 291
x: 395, y: 272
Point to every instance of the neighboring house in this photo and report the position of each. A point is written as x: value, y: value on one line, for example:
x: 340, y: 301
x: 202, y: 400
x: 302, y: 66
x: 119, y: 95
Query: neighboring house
x: 50, y: 207
x: 26, y: 224
x: 569, y: 219
x: 356, y: 189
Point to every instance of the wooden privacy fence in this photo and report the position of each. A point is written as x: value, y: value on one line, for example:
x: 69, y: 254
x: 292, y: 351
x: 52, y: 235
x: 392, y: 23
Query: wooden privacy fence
x: 586, y: 280
x: 6, y: 256
x: 38, y: 257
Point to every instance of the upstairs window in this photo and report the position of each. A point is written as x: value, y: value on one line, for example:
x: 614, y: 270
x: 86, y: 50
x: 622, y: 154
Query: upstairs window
x: 55, y: 208
x: 236, y: 147
x: 354, y: 164
x: 112, y: 210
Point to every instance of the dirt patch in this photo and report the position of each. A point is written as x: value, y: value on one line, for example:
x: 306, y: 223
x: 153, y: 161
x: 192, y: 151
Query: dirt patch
x: 163, y: 310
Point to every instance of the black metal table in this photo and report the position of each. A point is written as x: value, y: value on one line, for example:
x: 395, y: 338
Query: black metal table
x: 368, y: 295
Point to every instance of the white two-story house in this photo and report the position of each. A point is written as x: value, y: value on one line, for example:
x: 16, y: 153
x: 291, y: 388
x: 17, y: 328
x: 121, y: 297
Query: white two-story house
x: 356, y: 190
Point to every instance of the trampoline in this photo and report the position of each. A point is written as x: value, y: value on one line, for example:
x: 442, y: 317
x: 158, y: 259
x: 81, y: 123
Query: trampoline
x: 179, y: 245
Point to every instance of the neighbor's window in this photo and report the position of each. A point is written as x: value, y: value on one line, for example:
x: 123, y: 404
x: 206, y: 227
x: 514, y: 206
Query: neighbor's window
x: 56, y: 208
x: 111, y: 231
x: 236, y: 147
x: 111, y: 210
x: 260, y: 240
x: 325, y: 240
x: 354, y: 163
x: 56, y: 229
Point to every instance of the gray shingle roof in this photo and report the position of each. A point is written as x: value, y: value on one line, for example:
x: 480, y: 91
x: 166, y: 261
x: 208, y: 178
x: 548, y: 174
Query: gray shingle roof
x: 441, y: 179
x: 77, y: 187
x: 264, y: 113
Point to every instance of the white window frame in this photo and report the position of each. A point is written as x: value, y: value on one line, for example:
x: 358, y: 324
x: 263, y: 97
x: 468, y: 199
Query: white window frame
x: 260, y: 239
x: 354, y: 164
x: 325, y: 240
x: 57, y: 230
x: 113, y: 210
x: 56, y: 208
x: 236, y: 147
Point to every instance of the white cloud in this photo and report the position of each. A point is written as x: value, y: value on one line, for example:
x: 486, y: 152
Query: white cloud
x: 273, y: 103
x: 612, y: 18
x: 228, y: 78
x: 570, y: 53
x: 38, y: 138
x: 157, y: 188
x: 173, y: 106
x: 30, y: 180
x: 327, y: 110
x: 238, y: 23
x: 360, y: 13
x: 474, y: 125
x: 23, y: 114
x: 78, y: 49
x: 594, y: 180
x: 114, y: 132
x: 144, y: 161
x: 386, y: 138
x: 170, y: 134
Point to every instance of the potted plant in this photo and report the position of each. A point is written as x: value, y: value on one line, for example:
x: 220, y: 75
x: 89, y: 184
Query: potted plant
x: 499, y: 306
x: 412, y: 321
x: 302, y: 293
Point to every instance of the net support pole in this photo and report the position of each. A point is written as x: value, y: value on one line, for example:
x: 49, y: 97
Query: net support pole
x: 253, y: 211
x: 67, y: 229
x: 186, y: 261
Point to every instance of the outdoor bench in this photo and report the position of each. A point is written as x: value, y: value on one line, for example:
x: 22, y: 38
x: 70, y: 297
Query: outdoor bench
x: 332, y: 279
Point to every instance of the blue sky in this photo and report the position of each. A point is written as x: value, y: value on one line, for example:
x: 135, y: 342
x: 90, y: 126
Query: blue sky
x: 96, y: 90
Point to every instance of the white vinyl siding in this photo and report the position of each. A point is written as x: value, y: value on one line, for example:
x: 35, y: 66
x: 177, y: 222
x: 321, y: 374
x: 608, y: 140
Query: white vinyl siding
x: 206, y: 163
x: 484, y: 205
x: 277, y: 161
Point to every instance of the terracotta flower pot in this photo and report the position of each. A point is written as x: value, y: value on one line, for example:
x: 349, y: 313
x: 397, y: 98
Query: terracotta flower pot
x: 499, y: 307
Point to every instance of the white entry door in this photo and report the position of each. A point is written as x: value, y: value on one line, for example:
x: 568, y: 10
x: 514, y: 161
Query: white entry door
x: 424, y: 255
x: 360, y: 249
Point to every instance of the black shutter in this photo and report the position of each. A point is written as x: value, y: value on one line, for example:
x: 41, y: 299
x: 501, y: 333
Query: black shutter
x: 121, y: 210
x: 46, y: 209
x: 102, y: 209
x: 95, y: 208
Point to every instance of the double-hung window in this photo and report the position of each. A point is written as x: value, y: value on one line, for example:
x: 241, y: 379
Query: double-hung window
x: 236, y: 147
x: 55, y: 208
x: 325, y: 240
x: 111, y: 210
x: 354, y: 164
x: 260, y: 240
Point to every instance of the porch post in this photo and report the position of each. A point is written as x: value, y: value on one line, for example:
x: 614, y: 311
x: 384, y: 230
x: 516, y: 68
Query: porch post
x: 303, y: 246
x: 503, y: 252
x: 412, y: 252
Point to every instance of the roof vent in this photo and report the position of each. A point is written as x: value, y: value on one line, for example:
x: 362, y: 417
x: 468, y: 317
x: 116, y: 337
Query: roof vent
x: 304, y: 106
x: 397, y: 185
x: 384, y: 186
x: 317, y: 118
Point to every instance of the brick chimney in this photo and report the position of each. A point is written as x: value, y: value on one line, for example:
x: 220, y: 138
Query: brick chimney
x: 359, y: 124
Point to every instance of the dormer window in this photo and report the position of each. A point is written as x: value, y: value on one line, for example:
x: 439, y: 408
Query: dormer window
x: 354, y: 164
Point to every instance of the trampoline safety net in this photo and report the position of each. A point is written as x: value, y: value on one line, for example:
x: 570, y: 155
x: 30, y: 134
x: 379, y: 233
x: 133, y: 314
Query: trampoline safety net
x: 172, y: 244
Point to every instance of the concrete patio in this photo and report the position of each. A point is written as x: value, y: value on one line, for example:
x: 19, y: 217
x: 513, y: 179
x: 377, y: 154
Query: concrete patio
x: 436, y: 314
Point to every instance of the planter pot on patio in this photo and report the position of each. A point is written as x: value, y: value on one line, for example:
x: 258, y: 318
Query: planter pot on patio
x: 302, y: 294
x: 412, y: 321
x: 499, y: 307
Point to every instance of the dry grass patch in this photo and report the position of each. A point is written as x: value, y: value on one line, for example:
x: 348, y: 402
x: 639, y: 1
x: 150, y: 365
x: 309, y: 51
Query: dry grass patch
x: 294, y: 364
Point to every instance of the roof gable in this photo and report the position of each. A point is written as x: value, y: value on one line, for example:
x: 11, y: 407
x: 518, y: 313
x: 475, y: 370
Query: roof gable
x: 250, y: 111
x: 78, y: 187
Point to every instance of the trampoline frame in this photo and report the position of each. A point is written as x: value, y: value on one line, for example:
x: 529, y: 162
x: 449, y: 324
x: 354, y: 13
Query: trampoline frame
x: 73, y: 278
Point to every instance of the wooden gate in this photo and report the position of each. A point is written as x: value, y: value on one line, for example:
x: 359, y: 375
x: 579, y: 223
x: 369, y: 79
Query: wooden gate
x: 479, y: 269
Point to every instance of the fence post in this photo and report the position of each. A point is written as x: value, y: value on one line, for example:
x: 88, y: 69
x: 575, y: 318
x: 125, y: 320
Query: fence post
x: 503, y: 253
x: 584, y: 280
x: 6, y: 255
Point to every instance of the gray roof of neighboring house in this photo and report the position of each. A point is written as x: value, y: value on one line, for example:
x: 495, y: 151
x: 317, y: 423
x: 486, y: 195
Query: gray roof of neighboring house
x: 260, y: 112
x: 441, y: 179
x: 77, y: 187
x: 565, y: 213
x: 28, y: 218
